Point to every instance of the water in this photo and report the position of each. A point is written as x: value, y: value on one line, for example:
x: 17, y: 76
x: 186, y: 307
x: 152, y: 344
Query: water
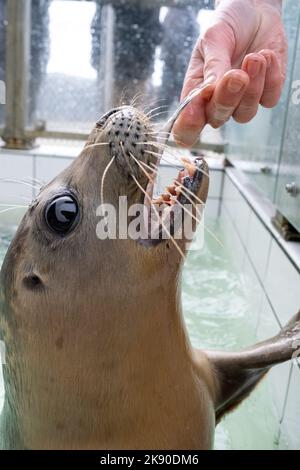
x: 218, y: 314
x: 218, y: 308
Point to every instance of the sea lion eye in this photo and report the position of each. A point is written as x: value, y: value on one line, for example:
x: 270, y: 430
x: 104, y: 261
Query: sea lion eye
x: 62, y: 214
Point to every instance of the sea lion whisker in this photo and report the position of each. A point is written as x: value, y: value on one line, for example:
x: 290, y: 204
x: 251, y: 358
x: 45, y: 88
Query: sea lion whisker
x: 143, y: 170
x: 149, y: 114
x: 12, y: 208
x: 152, y: 103
x: 164, y: 157
x: 184, y: 208
x: 136, y: 97
x: 214, y: 236
x: 161, y: 158
x: 24, y: 198
x: 157, y: 214
x: 181, y: 160
x: 153, y: 168
x: 12, y: 205
x: 123, y: 96
x: 94, y: 145
x: 186, y: 191
x: 183, y: 189
x: 154, y: 144
x: 159, y: 114
x: 158, y: 134
x: 139, y: 162
x: 103, y: 178
x: 26, y: 183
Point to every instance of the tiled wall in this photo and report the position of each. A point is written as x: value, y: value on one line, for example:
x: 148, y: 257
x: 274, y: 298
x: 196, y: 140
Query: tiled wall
x: 275, y: 284
x: 21, y: 176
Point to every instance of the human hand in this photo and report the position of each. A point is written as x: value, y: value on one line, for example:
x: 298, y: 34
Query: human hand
x: 242, y: 57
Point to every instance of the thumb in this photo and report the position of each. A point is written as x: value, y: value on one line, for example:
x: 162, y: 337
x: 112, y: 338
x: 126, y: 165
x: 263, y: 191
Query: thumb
x: 210, y: 60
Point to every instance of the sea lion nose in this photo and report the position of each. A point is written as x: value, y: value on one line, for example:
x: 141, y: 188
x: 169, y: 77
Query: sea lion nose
x: 129, y: 136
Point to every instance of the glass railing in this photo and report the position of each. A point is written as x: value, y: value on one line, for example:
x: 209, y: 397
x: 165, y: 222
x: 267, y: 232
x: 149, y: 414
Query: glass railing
x: 268, y: 148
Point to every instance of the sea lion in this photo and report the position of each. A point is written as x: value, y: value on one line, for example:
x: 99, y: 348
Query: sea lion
x: 97, y: 354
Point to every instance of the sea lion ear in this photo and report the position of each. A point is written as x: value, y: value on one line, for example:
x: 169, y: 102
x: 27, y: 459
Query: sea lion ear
x: 237, y: 374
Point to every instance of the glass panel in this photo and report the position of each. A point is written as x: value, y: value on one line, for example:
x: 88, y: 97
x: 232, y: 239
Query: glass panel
x: 90, y: 55
x: 288, y: 186
x: 2, y: 59
x: 256, y: 147
x: 63, y: 84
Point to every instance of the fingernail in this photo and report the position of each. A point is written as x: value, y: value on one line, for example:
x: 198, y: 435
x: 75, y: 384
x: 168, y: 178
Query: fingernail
x: 186, y: 138
x: 253, y: 68
x: 235, y: 85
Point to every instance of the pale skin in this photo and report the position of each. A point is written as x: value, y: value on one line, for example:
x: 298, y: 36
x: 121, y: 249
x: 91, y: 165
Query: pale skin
x: 242, y: 57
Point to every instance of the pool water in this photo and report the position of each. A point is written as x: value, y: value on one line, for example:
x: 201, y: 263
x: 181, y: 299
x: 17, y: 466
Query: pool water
x: 218, y: 314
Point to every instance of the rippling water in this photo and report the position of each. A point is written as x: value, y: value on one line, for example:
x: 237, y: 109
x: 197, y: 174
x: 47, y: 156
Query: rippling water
x: 217, y: 310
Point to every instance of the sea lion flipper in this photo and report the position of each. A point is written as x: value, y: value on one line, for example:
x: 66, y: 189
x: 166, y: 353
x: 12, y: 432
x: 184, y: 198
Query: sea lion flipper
x: 237, y: 374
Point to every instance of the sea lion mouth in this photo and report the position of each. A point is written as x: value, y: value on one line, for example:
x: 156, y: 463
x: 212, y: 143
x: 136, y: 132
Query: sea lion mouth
x: 181, y: 200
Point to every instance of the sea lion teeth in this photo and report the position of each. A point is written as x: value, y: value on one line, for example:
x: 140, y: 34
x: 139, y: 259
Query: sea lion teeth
x: 157, y: 201
x: 182, y: 174
x: 178, y: 189
x: 190, y: 167
x: 171, y: 189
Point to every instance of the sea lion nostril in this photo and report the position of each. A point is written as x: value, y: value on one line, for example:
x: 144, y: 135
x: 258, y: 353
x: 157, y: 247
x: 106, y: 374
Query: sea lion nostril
x: 32, y: 282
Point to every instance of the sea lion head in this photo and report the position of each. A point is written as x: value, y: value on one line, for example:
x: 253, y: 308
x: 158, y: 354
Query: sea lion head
x: 69, y: 299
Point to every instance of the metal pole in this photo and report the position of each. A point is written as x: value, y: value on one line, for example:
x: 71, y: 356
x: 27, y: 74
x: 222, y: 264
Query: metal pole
x: 106, y: 72
x: 17, y: 73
